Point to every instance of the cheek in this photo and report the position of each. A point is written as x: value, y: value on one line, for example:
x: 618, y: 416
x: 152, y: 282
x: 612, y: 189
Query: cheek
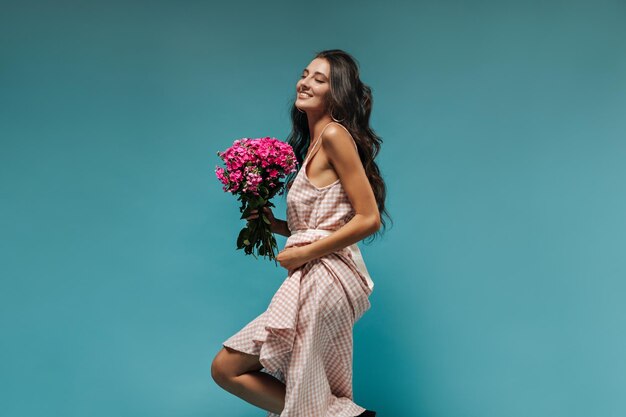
x: 321, y: 92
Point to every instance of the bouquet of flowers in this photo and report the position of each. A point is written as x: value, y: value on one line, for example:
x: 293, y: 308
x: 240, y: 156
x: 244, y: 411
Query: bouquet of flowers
x: 254, y: 169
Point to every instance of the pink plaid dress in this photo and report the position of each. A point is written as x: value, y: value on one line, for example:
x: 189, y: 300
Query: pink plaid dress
x: 304, y: 338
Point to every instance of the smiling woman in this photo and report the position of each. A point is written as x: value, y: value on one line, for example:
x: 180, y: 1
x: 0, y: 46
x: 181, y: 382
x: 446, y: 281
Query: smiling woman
x: 295, y: 358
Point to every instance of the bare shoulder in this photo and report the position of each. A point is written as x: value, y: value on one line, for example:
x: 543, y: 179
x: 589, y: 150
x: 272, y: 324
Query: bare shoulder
x: 340, y: 149
x: 338, y: 142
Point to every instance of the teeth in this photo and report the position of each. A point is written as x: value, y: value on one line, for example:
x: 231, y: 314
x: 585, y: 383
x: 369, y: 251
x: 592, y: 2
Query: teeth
x: 304, y: 95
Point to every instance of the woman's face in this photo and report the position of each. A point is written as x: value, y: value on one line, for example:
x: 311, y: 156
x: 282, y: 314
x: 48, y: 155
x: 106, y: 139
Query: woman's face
x: 313, y: 86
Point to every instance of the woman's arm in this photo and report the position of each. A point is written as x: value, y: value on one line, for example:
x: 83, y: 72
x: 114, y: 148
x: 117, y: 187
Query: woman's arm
x: 280, y: 227
x: 276, y: 225
x: 342, y: 155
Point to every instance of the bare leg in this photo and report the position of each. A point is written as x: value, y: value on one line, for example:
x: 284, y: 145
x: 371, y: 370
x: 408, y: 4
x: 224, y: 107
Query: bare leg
x: 239, y: 373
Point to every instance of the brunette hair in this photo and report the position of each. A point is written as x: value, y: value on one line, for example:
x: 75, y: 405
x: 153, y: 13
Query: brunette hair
x: 350, y: 101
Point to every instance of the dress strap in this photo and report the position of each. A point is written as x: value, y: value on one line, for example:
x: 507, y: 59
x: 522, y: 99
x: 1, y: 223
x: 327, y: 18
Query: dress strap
x: 315, y: 144
x: 313, y: 150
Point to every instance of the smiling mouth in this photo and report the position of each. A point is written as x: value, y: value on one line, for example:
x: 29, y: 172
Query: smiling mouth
x: 304, y: 95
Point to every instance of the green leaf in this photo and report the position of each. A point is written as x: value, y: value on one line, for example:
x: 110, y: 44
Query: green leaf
x: 241, y: 237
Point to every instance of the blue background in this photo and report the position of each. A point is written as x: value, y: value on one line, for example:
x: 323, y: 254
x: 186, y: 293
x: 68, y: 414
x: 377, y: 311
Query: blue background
x: 499, y: 287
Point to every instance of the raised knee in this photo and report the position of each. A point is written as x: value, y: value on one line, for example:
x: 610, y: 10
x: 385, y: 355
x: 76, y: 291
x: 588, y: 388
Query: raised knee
x: 218, y: 370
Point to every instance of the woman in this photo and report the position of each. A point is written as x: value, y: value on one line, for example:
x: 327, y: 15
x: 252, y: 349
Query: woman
x: 295, y: 359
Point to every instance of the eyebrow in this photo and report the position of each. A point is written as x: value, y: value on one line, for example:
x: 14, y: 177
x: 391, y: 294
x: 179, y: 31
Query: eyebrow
x: 316, y: 72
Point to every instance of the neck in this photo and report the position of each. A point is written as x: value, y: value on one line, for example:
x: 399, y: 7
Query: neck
x: 316, y: 125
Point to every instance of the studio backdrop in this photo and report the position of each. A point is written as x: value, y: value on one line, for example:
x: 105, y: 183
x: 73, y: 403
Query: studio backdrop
x: 499, y: 286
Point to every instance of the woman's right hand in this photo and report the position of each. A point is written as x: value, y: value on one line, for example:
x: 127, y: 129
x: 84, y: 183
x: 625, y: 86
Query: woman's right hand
x: 268, y: 213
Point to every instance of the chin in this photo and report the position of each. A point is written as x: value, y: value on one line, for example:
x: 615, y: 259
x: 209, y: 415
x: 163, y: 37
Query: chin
x: 307, y: 108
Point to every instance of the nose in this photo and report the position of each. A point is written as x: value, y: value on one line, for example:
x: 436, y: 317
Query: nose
x: 304, y: 84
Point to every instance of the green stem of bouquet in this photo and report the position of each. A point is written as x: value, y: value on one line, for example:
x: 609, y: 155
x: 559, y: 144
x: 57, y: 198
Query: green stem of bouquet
x: 258, y: 230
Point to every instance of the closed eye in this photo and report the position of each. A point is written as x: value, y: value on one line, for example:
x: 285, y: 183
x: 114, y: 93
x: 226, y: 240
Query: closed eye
x: 319, y: 81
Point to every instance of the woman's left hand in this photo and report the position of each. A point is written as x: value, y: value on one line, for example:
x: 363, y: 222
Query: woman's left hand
x: 293, y: 257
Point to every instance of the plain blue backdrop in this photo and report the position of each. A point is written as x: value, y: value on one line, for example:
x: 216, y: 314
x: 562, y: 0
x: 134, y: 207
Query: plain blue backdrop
x: 499, y: 288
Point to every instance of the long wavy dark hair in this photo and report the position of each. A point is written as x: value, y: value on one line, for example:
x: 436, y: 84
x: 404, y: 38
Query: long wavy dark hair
x: 349, y: 101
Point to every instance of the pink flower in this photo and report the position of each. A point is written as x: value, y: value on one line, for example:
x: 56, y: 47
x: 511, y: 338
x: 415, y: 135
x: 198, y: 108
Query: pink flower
x: 255, y: 164
x: 254, y: 169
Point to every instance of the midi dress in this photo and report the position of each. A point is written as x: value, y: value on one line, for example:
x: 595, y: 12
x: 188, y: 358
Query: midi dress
x: 305, y: 336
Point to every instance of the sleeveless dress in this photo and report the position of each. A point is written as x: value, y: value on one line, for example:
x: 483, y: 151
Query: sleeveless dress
x: 304, y: 338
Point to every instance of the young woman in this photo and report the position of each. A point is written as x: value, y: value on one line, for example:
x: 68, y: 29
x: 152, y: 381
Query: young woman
x: 295, y: 358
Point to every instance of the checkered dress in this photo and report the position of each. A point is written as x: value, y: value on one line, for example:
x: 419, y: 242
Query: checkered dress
x: 304, y: 338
